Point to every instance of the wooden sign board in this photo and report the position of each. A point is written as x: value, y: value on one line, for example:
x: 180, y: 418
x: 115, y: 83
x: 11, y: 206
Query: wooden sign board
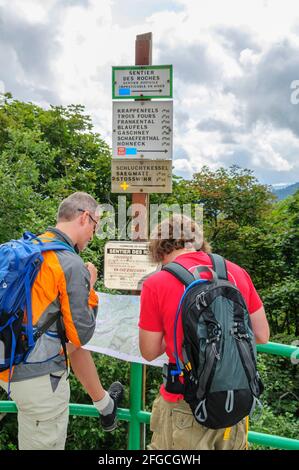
x: 141, y: 176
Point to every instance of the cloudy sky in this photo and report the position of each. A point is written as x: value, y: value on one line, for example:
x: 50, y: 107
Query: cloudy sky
x: 235, y: 62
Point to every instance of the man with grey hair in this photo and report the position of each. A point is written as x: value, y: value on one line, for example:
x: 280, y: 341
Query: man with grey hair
x: 64, y: 284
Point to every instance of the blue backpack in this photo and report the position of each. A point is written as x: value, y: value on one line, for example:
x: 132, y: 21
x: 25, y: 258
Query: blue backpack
x: 20, y: 262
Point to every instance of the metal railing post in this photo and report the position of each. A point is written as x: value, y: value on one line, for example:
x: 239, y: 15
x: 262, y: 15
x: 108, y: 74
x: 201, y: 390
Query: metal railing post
x: 135, y: 405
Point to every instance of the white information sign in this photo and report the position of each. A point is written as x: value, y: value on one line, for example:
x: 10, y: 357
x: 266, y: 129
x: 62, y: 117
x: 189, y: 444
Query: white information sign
x: 148, y: 81
x: 127, y: 265
x: 142, y: 129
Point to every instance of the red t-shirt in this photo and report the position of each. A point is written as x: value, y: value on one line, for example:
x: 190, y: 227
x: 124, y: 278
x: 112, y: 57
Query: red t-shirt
x: 161, y: 294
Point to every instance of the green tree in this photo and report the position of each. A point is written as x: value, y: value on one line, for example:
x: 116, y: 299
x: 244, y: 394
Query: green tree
x: 281, y: 295
x: 44, y: 156
x: 231, y: 194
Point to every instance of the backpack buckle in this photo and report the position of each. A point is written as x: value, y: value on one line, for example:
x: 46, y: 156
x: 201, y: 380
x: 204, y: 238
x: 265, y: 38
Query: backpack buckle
x: 171, y: 379
x: 214, y: 332
x: 239, y: 332
x: 200, y: 300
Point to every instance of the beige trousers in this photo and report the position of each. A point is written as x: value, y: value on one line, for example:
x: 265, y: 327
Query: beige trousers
x: 174, y: 427
x: 43, y: 411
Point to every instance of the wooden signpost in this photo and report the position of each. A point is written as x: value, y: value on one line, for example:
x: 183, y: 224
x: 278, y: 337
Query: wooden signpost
x: 141, y: 162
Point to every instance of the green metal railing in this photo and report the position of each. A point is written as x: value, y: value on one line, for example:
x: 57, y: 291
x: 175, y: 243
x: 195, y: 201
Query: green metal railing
x: 136, y: 416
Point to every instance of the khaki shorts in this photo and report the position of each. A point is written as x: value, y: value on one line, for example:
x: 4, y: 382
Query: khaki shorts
x: 43, y: 411
x: 174, y: 427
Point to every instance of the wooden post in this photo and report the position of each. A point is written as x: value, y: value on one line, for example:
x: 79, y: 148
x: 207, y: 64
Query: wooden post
x: 143, y: 49
x: 143, y: 56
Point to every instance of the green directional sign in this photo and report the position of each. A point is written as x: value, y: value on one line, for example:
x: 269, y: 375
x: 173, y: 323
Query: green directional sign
x: 142, y: 81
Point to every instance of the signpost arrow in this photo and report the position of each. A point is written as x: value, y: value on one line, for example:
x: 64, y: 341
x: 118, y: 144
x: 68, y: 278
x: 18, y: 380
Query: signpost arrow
x: 146, y: 91
x: 153, y: 151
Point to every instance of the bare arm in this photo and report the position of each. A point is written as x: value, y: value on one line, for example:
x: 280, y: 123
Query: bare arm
x: 85, y: 371
x: 151, y: 344
x: 260, y: 326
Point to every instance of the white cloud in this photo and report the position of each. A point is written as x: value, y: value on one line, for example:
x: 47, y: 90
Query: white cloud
x: 274, y: 149
x: 248, y: 58
x: 184, y: 167
x: 31, y: 10
x: 269, y: 19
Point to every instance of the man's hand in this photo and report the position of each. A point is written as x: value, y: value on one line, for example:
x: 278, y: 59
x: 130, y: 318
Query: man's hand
x: 93, y: 273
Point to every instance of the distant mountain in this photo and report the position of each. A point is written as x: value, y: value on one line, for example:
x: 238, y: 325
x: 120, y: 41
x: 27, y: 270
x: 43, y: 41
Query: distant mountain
x: 285, y: 192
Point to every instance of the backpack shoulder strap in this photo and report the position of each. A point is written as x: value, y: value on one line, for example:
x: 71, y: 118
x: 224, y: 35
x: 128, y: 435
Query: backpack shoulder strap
x: 51, y: 244
x: 219, y: 266
x: 181, y: 273
x: 55, y: 245
x: 42, y: 329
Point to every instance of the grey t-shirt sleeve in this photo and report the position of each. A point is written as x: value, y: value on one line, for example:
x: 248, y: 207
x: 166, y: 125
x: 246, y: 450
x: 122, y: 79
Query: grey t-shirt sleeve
x: 78, y: 316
